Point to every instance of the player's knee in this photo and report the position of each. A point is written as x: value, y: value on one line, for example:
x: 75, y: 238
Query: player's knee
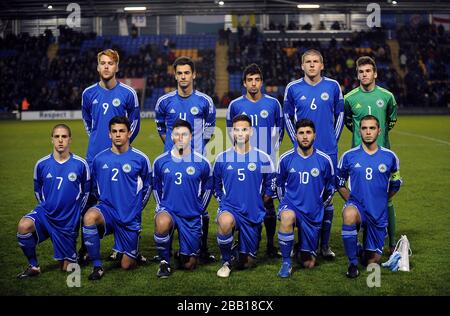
x: 350, y: 216
x: 91, y: 217
x: 25, y: 226
x: 191, y: 263
x: 64, y: 265
x: 226, y: 222
x: 287, y: 218
x: 163, y: 223
x: 127, y: 264
x: 250, y: 262
x: 373, y: 257
x: 309, y: 264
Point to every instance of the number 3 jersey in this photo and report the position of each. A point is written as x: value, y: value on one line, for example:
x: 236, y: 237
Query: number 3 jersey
x: 123, y: 183
x: 62, y: 189
x: 370, y: 179
x: 240, y: 180
x: 182, y: 186
x: 99, y: 106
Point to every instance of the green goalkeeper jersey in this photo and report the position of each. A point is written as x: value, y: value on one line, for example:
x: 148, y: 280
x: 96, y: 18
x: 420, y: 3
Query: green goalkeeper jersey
x: 379, y: 102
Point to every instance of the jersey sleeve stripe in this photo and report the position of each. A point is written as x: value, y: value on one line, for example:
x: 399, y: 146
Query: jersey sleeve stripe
x: 37, y: 165
x: 88, y: 171
x: 339, y: 124
x: 162, y: 98
x: 289, y: 85
x: 145, y: 157
x: 328, y: 158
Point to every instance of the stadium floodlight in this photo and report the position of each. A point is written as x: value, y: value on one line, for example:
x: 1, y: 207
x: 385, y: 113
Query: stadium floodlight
x: 50, y: 7
x: 221, y: 3
x: 394, y: 2
x: 308, y: 6
x: 135, y: 8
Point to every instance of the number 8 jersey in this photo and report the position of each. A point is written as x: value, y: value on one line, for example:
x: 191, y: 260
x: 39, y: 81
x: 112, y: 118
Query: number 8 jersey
x: 370, y: 179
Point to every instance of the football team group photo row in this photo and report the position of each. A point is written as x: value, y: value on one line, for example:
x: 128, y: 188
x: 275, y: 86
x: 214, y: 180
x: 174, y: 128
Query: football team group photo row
x: 103, y: 192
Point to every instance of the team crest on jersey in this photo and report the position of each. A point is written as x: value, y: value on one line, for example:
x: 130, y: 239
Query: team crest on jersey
x: 251, y: 166
x: 126, y: 168
x: 116, y: 102
x: 380, y: 103
x: 382, y: 168
x: 194, y: 110
x: 315, y: 172
x: 325, y: 96
x: 72, y: 176
x: 264, y: 114
x: 190, y: 170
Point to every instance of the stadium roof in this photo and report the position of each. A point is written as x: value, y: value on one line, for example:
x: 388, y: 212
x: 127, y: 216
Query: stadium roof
x: 25, y: 9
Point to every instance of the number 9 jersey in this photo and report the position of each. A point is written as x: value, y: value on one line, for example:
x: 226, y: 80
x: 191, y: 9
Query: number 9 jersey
x: 99, y: 106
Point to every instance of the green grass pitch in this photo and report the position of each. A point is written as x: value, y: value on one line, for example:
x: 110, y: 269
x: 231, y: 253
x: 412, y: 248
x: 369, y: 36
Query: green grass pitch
x: 422, y: 206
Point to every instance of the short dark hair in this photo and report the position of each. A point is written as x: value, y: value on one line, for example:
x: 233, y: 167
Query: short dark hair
x: 120, y: 120
x: 370, y: 117
x: 183, y: 60
x: 366, y: 60
x: 252, y: 69
x: 305, y: 123
x: 182, y: 123
x: 242, y: 117
x: 62, y: 126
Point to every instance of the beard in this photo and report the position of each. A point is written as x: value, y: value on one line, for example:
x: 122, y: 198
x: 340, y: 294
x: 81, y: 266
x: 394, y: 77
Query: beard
x: 368, y: 143
x: 304, y: 148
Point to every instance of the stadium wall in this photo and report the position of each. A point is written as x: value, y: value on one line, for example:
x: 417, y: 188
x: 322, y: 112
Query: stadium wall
x: 76, y: 115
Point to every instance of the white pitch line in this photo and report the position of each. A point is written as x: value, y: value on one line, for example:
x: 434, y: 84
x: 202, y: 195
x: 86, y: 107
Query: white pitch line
x: 424, y: 137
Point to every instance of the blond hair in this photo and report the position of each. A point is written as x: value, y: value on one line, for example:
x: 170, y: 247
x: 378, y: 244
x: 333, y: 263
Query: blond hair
x: 111, y: 53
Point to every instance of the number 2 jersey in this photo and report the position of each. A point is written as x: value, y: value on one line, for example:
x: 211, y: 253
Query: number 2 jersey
x: 370, y: 179
x: 123, y: 183
x: 99, y: 106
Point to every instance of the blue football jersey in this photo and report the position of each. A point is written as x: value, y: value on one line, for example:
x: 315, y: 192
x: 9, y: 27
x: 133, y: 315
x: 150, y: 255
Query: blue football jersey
x: 62, y: 189
x: 267, y: 121
x: 241, y: 180
x: 323, y: 104
x: 198, y: 109
x: 124, y: 183
x: 304, y: 182
x: 99, y: 106
x: 370, y: 178
x: 182, y: 186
